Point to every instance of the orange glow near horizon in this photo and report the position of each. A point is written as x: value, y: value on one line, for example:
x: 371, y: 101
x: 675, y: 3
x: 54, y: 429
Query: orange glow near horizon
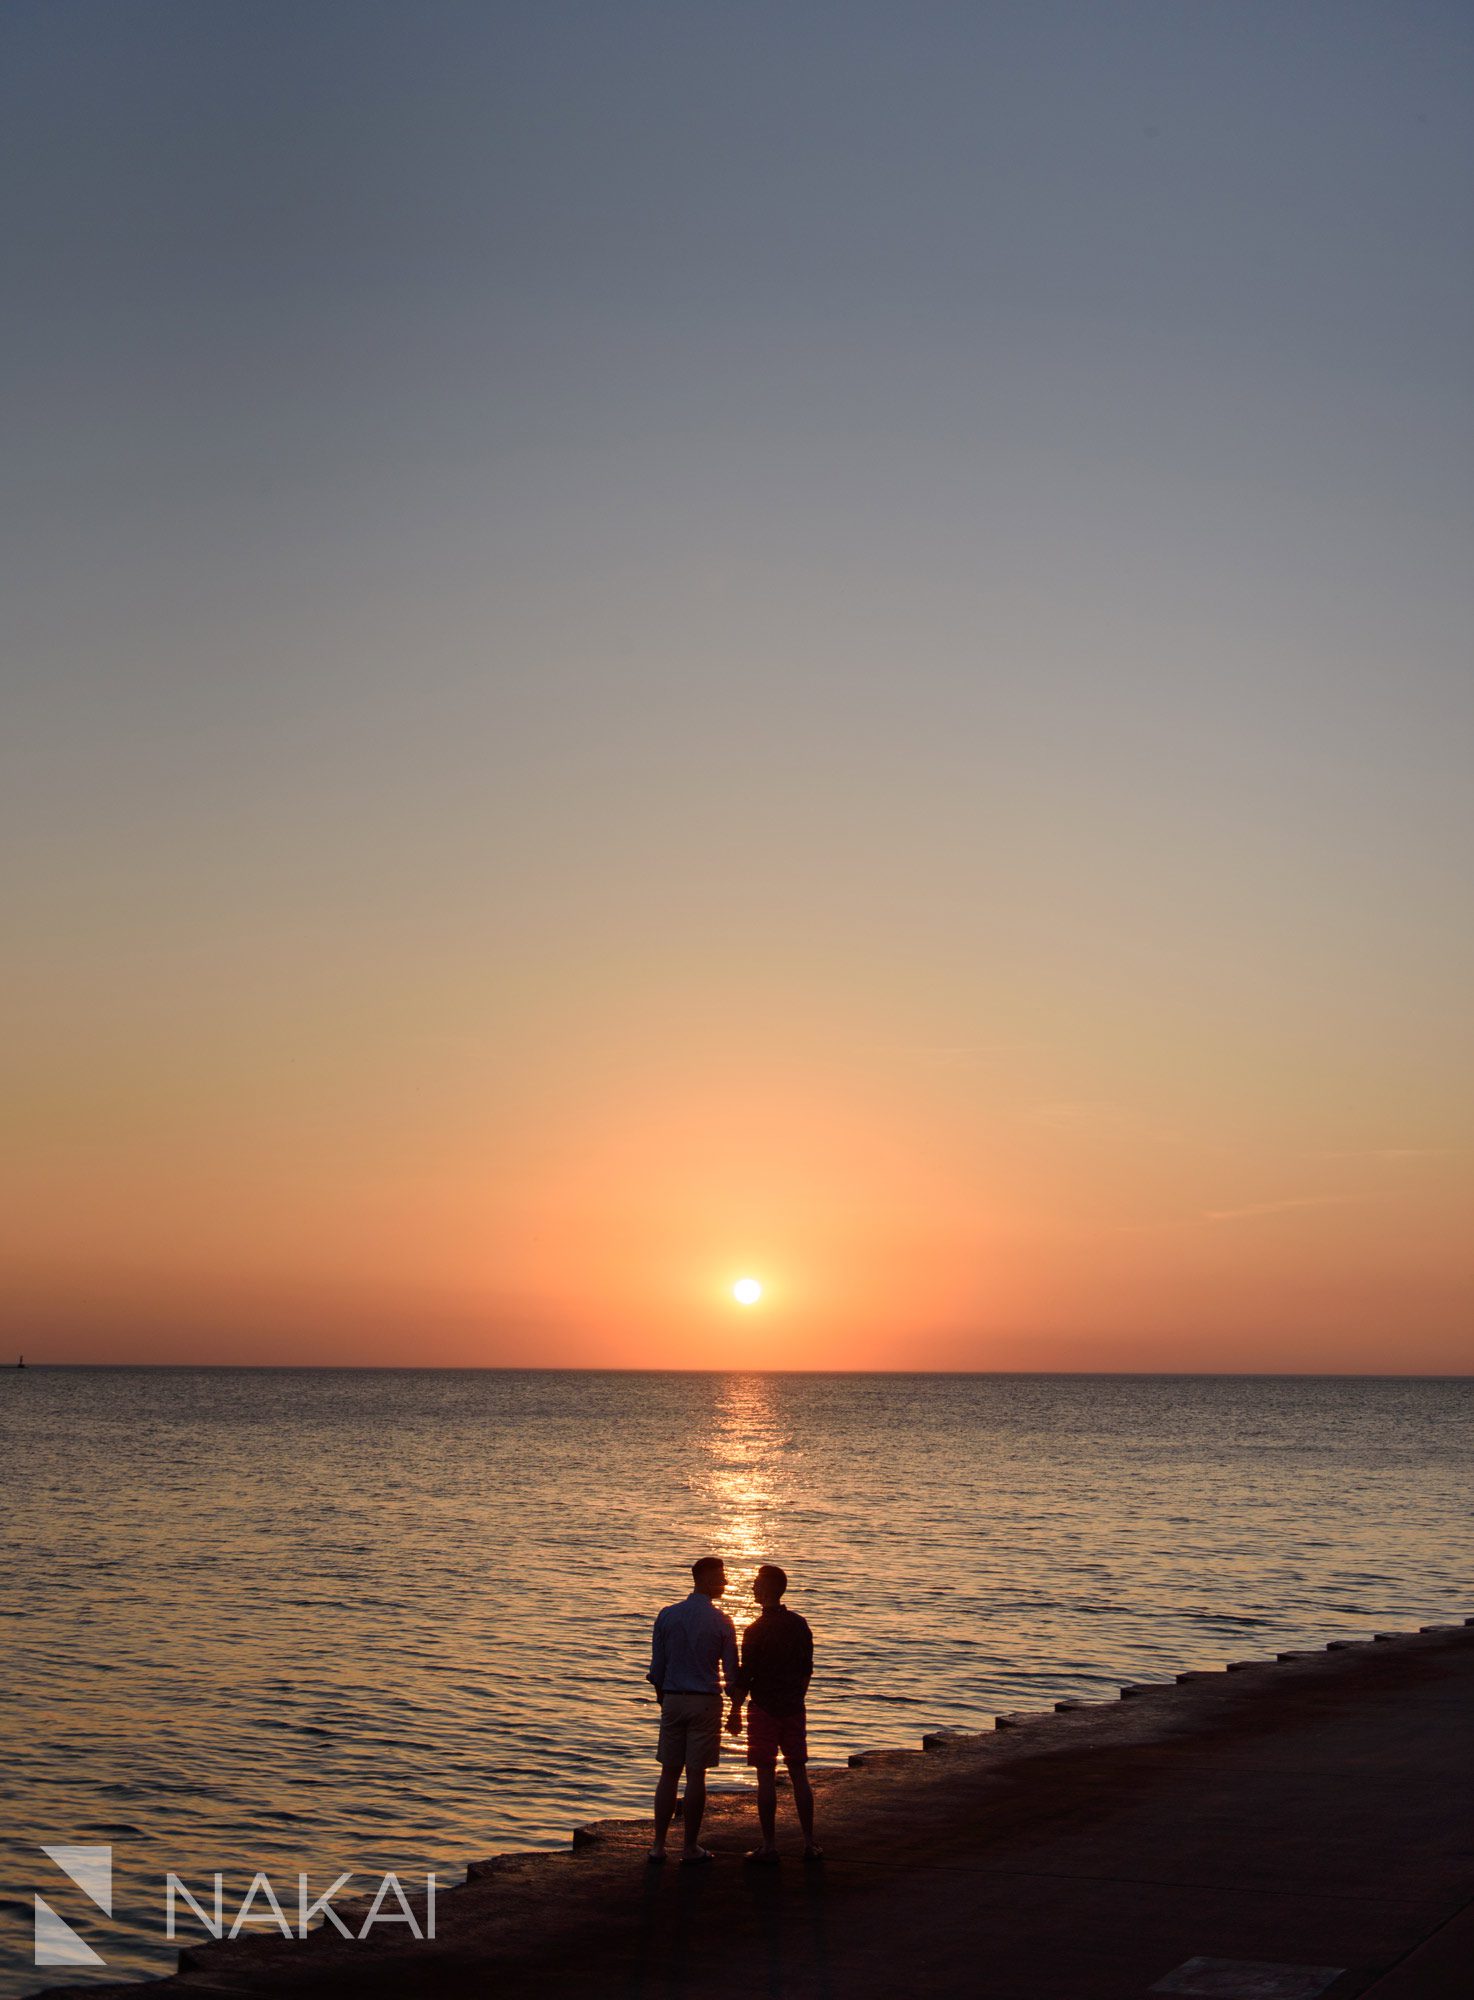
x: 902, y: 1214
x: 764, y: 651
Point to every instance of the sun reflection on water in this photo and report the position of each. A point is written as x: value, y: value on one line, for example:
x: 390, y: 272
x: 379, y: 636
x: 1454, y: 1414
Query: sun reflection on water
x: 744, y: 1483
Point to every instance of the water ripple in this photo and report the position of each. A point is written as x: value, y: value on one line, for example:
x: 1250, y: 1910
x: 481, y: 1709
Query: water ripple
x: 326, y: 1620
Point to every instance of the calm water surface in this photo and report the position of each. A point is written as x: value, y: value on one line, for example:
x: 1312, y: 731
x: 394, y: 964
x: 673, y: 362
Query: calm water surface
x: 337, y: 1619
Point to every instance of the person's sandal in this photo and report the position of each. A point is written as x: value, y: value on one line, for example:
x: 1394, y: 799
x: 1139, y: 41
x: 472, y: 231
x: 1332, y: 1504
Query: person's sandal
x: 701, y: 1854
x: 763, y: 1857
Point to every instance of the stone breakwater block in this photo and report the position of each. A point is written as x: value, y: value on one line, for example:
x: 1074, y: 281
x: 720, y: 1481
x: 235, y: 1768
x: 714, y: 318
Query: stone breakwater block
x: 1196, y: 1674
x: 582, y: 1837
x: 1134, y: 1688
x: 1469, y: 1621
x: 1243, y: 1666
x: 940, y: 1739
x: 1075, y: 1701
x: 1343, y: 1645
x: 1382, y: 1638
x: 827, y: 1774
x: 1298, y: 1655
x: 1247, y: 1979
x: 1439, y: 1628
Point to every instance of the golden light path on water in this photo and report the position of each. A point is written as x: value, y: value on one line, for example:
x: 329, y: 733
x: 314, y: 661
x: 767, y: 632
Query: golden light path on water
x: 743, y: 1483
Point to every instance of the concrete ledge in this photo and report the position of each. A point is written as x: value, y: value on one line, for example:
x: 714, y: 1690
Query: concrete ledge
x: 1081, y: 1862
x: 1442, y: 1965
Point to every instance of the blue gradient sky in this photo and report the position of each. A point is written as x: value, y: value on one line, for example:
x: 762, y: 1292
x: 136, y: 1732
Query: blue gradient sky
x: 649, y: 639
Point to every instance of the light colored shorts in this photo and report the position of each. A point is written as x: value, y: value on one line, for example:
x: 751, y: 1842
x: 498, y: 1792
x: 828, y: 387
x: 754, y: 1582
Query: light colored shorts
x: 691, y: 1730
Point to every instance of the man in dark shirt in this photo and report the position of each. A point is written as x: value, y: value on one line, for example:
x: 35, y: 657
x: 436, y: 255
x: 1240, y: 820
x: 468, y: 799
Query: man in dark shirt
x: 777, y: 1665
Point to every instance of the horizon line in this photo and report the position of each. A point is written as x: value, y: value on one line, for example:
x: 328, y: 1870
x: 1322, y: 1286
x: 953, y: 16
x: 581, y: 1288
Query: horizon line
x: 1002, y: 1374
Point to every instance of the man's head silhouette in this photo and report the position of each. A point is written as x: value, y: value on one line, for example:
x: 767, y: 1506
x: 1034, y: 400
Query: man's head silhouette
x: 769, y: 1585
x: 709, y: 1574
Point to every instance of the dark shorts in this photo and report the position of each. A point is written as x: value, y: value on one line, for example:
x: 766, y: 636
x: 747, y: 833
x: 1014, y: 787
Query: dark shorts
x: 772, y: 1736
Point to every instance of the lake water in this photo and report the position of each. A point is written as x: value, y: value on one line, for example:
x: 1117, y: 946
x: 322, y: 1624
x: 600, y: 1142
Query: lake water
x: 321, y: 1620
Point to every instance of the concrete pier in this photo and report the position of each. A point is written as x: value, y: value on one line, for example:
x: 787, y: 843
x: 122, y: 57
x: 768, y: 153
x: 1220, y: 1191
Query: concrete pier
x: 1305, y: 1829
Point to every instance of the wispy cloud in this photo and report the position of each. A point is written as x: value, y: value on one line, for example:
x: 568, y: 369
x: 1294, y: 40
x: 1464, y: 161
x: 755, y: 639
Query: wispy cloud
x: 946, y: 1055
x: 1277, y: 1207
x: 1387, y: 1153
x: 1074, y: 1110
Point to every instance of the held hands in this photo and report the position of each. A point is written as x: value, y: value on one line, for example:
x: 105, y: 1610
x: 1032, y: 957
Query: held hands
x: 734, y: 1721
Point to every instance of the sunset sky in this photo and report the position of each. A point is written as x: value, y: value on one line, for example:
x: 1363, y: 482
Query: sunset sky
x: 652, y: 642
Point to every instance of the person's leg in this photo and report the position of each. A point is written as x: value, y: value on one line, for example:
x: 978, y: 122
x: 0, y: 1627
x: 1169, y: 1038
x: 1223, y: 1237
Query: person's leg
x: 665, y: 1803
x: 803, y: 1801
x: 703, y: 1749
x: 767, y: 1806
x: 695, y: 1805
x: 671, y: 1751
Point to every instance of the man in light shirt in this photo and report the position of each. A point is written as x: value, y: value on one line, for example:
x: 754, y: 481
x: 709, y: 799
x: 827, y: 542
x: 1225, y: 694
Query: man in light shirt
x: 693, y: 1650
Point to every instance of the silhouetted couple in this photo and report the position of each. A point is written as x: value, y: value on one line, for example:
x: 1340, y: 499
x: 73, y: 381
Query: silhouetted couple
x: 694, y: 1651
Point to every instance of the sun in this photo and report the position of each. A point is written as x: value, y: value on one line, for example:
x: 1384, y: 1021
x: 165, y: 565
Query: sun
x: 747, y: 1291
